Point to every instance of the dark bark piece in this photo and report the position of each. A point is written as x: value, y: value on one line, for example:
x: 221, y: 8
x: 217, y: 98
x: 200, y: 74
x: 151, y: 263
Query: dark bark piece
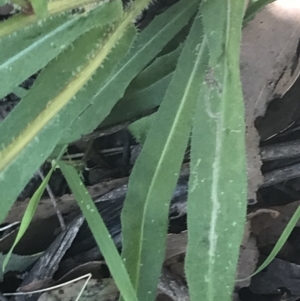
x: 280, y: 151
x: 281, y: 175
x: 278, y: 273
x: 47, y: 265
x: 245, y: 294
x: 84, y: 248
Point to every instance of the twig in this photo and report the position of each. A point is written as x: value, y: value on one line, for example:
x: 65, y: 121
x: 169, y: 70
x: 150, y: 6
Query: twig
x: 53, y: 201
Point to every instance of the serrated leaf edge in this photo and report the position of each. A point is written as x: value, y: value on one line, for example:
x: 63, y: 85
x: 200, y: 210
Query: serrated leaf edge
x: 55, y: 105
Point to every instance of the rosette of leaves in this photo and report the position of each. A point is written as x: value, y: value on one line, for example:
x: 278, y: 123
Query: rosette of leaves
x: 97, y: 68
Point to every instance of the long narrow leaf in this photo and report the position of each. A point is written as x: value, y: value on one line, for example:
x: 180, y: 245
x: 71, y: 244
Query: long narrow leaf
x: 154, y: 176
x: 100, y: 232
x: 142, y: 103
x: 140, y: 128
x: 217, y: 187
x: 254, y: 8
x: 148, y: 44
x: 31, y: 207
x: 40, y: 7
x: 160, y: 68
x: 28, y: 214
x: 21, y: 21
x: 145, y: 92
x: 37, y: 123
x: 52, y: 36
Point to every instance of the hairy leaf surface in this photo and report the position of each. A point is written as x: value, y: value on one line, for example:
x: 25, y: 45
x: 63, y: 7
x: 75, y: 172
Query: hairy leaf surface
x: 139, y: 104
x: 49, y: 37
x: 40, y: 7
x: 38, y: 121
x: 156, y: 170
x: 145, y: 92
x: 21, y: 21
x: 148, y: 44
x: 160, y: 68
x: 217, y: 187
x: 254, y: 8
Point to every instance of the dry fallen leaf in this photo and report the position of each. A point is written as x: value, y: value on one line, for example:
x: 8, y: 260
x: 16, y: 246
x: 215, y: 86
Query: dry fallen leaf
x: 176, y: 244
x: 269, y: 67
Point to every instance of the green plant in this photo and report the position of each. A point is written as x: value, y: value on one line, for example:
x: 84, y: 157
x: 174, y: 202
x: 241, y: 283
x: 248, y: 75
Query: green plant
x: 95, y: 65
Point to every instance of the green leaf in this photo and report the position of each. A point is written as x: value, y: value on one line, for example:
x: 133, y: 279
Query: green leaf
x: 36, y: 124
x: 179, y: 38
x: 160, y: 68
x: 40, y: 7
x: 254, y: 8
x: 20, y: 21
x: 139, y: 104
x: 24, y: 47
x: 216, y: 39
x: 140, y: 128
x: 28, y: 215
x: 218, y: 182
x: 100, y: 232
x: 105, y: 94
x: 19, y: 91
x: 156, y: 170
x: 3, y: 2
x: 145, y: 92
x: 18, y: 263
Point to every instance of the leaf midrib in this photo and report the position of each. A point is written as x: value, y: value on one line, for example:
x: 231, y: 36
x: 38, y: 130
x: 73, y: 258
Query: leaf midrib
x: 148, y: 196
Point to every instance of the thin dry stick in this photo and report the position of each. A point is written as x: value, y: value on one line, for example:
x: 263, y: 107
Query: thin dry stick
x: 47, y: 289
x: 53, y: 201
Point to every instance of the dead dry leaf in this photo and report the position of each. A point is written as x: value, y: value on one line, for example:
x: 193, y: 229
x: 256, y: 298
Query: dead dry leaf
x: 269, y: 230
x: 176, y: 244
x: 269, y: 67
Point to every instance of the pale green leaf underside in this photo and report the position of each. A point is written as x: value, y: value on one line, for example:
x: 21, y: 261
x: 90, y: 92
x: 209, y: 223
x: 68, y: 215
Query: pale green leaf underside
x: 217, y: 186
x: 156, y: 170
x: 214, y: 26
